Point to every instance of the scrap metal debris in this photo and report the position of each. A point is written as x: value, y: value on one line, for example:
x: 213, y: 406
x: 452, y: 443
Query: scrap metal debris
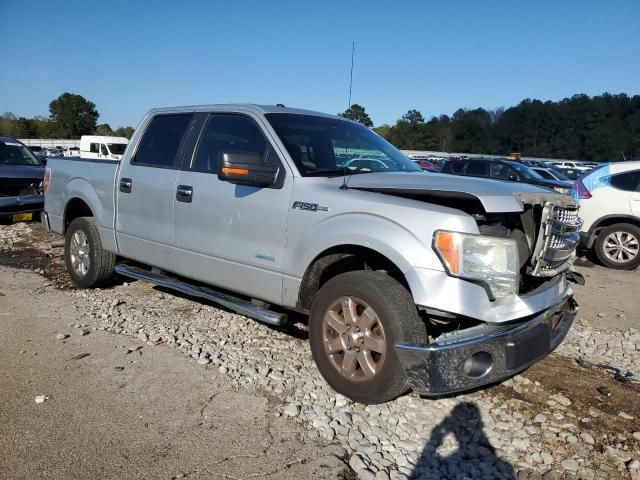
x: 626, y: 377
x: 79, y: 356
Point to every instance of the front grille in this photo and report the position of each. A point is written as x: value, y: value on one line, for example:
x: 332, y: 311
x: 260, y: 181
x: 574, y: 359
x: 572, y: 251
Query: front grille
x: 20, y: 187
x: 557, y: 240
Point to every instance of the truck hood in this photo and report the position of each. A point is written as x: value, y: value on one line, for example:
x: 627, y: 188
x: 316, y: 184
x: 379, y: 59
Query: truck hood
x: 494, y: 195
x: 21, y: 171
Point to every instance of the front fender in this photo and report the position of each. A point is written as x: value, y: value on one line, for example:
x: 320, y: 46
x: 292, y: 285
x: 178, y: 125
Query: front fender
x: 368, y: 230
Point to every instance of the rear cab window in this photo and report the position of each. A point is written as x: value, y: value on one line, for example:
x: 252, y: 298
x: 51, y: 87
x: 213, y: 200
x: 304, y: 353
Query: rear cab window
x: 161, y: 141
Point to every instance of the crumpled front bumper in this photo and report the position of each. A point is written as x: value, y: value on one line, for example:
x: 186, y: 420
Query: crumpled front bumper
x: 21, y: 204
x: 485, y: 353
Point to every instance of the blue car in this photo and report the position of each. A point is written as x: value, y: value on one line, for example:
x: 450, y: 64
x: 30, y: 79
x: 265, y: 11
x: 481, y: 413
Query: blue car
x: 21, y: 181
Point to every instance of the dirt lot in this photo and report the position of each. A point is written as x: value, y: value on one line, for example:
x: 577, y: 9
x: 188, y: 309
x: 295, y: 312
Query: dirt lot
x: 560, y: 419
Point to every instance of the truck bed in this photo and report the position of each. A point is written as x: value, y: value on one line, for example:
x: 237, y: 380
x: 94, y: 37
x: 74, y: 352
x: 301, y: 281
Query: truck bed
x: 89, y: 180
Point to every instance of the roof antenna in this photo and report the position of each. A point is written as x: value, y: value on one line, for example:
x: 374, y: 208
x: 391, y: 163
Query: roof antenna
x: 353, y: 51
x: 344, y: 167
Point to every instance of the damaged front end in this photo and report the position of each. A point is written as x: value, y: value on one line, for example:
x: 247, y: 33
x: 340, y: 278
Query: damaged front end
x: 486, y: 353
x: 476, y: 338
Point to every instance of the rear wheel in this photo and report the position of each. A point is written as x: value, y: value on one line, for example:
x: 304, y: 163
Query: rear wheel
x: 88, y: 264
x: 356, y: 320
x: 618, y: 246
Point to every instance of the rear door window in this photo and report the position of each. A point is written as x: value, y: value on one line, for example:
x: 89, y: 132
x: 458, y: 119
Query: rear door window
x: 455, y: 167
x: 627, y: 181
x: 478, y: 169
x: 161, y: 141
x: 501, y: 171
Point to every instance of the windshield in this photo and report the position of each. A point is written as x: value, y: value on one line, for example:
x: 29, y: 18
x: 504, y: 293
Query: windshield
x: 525, y: 171
x: 117, y: 148
x: 14, y: 153
x: 324, y: 146
x: 558, y: 175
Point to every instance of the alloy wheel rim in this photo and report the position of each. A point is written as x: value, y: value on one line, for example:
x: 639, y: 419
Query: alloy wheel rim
x: 621, y: 247
x: 79, y: 252
x: 354, y: 339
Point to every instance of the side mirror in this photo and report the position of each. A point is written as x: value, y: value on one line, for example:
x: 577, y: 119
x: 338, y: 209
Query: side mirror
x: 246, y: 168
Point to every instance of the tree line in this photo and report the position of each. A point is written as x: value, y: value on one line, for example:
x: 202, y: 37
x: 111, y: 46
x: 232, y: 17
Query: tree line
x: 70, y: 116
x: 601, y: 128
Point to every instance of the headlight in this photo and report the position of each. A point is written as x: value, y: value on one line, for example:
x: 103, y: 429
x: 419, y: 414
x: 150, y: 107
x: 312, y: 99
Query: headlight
x: 562, y: 190
x: 490, y: 261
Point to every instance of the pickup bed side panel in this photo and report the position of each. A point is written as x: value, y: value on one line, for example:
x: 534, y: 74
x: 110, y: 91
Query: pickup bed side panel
x: 69, y: 180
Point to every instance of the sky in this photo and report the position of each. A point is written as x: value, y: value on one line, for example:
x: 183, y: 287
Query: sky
x: 436, y: 57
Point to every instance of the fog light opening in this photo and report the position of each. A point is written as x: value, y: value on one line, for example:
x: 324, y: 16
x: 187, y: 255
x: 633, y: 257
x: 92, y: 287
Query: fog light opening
x: 478, y: 365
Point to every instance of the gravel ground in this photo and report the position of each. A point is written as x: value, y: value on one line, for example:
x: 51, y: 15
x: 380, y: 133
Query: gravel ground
x: 524, y: 428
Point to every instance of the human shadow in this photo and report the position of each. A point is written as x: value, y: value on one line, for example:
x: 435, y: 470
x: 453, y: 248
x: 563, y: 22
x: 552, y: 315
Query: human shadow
x: 474, y: 457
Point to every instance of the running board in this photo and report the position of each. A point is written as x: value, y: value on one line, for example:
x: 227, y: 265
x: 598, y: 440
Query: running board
x: 238, y: 305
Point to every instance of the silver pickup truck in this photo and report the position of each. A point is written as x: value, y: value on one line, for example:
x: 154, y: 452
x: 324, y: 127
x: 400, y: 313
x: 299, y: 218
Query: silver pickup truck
x: 410, y: 279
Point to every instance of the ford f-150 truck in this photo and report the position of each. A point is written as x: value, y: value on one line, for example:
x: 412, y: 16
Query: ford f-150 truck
x: 418, y: 280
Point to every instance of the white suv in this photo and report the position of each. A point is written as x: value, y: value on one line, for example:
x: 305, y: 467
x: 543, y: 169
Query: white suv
x: 609, y: 199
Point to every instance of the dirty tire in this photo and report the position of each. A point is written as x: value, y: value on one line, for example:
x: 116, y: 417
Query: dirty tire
x: 397, y: 317
x: 101, y: 262
x: 600, y: 251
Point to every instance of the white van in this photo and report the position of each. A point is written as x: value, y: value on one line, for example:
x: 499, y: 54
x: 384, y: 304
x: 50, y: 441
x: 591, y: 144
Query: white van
x: 106, y: 148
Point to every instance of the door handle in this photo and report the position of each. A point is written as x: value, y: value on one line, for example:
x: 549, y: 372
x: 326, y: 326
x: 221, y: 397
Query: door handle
x: 125, y: 185
x: 184, y: 193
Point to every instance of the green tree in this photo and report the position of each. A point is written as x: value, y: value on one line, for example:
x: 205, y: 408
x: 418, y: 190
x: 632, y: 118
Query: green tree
x: 383, y: 130
x: 7, y: 124
x: 357, y: 112
x: 414, y: 117
x: 104, y: 129
x: 125, y: 132
x: 73, y: 115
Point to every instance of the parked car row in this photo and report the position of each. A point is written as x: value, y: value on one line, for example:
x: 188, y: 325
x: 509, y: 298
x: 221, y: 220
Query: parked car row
x: 505, y: 170
x: 428, y: 162
x: 91, y: 146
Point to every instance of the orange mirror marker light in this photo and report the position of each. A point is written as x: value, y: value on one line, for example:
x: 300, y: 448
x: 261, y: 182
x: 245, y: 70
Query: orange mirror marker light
x: 235, y: 171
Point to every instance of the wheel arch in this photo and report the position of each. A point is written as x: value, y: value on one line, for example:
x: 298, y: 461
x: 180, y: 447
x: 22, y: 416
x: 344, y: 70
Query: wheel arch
x: 74, y: 208
x: 340, y: 259
x: 607, y: 221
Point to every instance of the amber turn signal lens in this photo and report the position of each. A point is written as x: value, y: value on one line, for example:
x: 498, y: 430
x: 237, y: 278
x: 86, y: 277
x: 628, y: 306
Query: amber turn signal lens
x: 446, y: 245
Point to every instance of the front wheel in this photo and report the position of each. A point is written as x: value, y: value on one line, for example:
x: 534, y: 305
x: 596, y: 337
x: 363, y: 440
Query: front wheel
x: 88, y: 264
x: 356, y: 320
x: 618, y: 246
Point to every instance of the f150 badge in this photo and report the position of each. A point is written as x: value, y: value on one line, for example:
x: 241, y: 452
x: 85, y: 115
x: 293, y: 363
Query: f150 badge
x: 310, y: 207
